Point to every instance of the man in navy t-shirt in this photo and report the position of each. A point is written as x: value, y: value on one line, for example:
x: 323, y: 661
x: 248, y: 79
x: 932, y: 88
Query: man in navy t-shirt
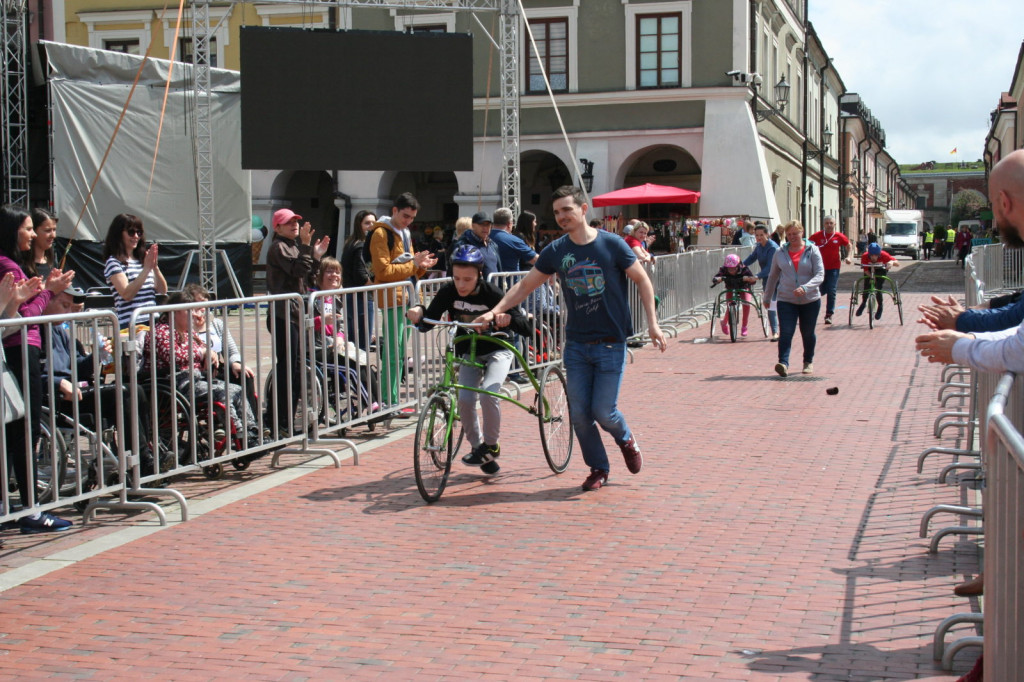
x: 592, y: 268
x: 513, y: 253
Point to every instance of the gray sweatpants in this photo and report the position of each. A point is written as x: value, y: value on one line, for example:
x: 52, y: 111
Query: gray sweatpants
x: 497, y: 364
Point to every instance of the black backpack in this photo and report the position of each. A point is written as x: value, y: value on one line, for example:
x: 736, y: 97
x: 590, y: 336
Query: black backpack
x: 366, y: 242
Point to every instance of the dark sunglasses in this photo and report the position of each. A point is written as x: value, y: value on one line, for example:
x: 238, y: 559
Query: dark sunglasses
x: 134, y: 231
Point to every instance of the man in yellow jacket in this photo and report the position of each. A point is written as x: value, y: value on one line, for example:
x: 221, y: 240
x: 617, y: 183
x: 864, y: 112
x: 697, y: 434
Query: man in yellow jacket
x: 950, y: 239
x: 393, y: 259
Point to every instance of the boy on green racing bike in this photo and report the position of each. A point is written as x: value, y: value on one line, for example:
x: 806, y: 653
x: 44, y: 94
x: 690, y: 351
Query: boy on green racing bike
x: 467, y: 297
x: 875, y: 254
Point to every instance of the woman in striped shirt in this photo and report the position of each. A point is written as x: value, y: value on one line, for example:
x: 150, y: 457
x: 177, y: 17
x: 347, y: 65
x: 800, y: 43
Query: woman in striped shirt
x: 131, y: 269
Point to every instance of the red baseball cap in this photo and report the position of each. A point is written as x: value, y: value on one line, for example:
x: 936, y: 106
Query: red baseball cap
x: 283, y: 215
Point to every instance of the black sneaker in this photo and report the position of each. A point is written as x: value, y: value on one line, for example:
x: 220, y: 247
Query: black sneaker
x: 482, y: 455
x: 860, y: 309
x: 828, y: 318
x: 878, y: 313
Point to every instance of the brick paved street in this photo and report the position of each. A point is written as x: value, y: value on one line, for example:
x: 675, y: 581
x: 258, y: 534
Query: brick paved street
x: 772, y: 535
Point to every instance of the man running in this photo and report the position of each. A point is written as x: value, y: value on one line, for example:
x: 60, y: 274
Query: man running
x: 592, y: 268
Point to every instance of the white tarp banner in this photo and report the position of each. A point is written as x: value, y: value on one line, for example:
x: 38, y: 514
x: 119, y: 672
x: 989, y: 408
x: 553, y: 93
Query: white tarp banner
x: 88, y: 89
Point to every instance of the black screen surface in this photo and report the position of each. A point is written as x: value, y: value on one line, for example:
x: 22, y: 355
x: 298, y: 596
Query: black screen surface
x: 356, y: 100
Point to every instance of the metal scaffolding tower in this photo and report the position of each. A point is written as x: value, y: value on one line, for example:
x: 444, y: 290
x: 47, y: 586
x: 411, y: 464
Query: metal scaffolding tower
x: 14, y: 104
x: 510, y: 185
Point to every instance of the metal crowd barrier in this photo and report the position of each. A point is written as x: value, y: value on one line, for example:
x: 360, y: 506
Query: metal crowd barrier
x: 1004, y: 534
x: 547, y: 310
x: 347, y: 369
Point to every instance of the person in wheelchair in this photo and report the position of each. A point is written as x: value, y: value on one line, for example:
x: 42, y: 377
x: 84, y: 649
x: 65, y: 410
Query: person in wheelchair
x: 467, y: 297
x: 218, y: 338
x: 57, y: 372
x: 875, y: 254
x: 353, y: 365
x: 736, y: 277
x: 178, y: 345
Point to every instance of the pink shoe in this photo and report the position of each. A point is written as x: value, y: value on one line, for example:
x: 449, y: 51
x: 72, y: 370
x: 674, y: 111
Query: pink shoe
x: 743, y: 331
x: 725, y: 326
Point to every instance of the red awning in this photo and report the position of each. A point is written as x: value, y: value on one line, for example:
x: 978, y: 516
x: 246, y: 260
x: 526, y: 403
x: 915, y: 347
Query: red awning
x: 647, y: 194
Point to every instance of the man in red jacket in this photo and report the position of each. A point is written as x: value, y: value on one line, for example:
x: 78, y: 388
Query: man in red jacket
x: 829, y: 242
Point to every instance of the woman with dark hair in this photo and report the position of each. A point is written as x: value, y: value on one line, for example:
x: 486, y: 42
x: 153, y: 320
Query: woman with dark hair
x: 39, y: 259
x: 131, y: 270
x: 526, y: 228
x: 355, y: 272
x: 22, y: 352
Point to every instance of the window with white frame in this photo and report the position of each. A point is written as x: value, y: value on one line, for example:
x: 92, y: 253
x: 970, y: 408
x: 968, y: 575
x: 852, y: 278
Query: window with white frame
x: 219, y: 37
x: 425, y: 23
x: 127, y: 46
x: 554, y: 31
x: 552, y: 39
x: 132, y: 34
x: 658, y: 45
x: 186, y: 51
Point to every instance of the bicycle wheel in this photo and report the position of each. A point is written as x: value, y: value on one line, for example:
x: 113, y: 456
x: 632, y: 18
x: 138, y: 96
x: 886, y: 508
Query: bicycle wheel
x: 714, y: 318
x: 899, y: 305
x: 734, y: 320
x: 50, y: 461
x: 871, y: 309
x: 552, y: 407
x: 432, y: 455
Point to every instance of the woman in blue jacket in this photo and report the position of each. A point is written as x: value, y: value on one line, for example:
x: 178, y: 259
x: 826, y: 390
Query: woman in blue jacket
x: 797, y: 272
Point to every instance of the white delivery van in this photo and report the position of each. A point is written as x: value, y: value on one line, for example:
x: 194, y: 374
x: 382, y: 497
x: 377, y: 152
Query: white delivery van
x: 901, y: 234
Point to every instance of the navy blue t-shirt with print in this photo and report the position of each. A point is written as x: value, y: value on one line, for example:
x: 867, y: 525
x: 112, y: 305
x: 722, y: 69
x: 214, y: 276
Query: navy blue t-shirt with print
x: 593, y: 281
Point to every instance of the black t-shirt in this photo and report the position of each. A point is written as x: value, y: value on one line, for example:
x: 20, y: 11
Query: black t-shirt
x: 468, y: 308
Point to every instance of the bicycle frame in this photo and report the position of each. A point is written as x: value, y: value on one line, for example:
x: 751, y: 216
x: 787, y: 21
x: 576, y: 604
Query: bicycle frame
x: 452, y: 362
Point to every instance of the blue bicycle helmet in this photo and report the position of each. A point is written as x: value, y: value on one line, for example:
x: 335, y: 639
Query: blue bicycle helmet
x: 467, y: 254
x: 874, y: 249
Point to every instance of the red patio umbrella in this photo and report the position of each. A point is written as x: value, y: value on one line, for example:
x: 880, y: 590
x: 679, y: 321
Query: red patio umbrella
x: 647, y: 194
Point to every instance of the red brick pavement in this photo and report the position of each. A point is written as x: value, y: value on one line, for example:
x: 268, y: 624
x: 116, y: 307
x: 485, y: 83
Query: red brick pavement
x: 772, y: 535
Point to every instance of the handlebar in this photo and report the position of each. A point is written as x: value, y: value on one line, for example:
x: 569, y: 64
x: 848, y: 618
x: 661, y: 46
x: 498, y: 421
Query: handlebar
x: 875, y: 266
x: 471, y: 326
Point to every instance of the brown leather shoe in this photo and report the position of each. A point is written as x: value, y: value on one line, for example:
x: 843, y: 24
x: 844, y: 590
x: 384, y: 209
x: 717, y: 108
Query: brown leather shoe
x: 971, y: 588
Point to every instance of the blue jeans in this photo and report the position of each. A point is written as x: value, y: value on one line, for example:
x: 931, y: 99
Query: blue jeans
x: 828, y: 287
x: 593, y: 378
x: 791, y: 314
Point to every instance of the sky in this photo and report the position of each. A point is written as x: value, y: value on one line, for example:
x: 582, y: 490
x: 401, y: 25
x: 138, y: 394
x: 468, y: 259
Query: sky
x: 931, y: 71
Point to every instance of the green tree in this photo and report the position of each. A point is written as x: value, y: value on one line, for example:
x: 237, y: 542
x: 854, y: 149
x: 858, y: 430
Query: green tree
x: 967, y: 205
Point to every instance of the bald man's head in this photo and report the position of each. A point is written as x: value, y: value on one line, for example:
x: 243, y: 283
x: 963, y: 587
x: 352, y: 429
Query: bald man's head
x: 1006, y: 192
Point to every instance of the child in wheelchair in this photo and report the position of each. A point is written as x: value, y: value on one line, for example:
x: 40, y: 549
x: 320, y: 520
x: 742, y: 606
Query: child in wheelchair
x: 737, y: 277
x: 348, y: 362
x: 875, y: 254
x: 467, y: 297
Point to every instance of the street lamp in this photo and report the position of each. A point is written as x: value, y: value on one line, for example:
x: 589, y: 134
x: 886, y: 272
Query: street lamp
x: 587, y: 176
x: 826, y: 142
x: 781, y: 100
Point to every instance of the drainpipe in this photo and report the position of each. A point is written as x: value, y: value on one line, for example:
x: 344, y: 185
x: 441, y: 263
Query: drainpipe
x: 803, y: 161
x: 862, y: 216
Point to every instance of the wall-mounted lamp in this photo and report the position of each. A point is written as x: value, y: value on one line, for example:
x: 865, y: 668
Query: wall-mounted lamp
x: 826, y: 143
x: 854, y: 169
x: 587, y: 176
x: 781, y: 92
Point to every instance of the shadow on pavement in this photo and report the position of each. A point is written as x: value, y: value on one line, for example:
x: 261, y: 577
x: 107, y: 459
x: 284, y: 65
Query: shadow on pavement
x: 397, y: 492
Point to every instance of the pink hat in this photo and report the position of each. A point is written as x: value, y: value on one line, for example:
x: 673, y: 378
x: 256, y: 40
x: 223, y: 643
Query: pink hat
x: 732, y: 260
x: 283, y: 215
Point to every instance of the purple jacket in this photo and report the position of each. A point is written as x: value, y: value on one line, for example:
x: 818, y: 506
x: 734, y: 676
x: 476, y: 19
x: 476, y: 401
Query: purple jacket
x: 30, y: 308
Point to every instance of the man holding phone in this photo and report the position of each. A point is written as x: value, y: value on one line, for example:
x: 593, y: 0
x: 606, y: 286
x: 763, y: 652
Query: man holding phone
x: 393, y: 260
